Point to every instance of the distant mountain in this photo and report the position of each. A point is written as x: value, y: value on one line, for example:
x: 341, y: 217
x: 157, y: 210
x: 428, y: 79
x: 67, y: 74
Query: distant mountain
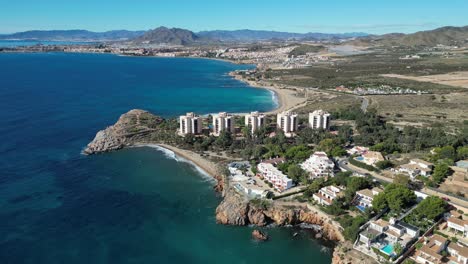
x: 170, y: 36
x: 247, y: 35
x: 455, y: 36
x: 74, y: 35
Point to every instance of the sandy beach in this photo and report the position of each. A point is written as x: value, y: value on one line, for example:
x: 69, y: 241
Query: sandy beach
x: 203, y: 163
x: 287, y: 99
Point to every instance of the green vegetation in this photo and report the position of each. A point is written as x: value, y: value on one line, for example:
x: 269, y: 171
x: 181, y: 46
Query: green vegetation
x: 351, y: 225
x: 395, y: 197
x: 304, y: 49
x: 361, y: 164
x: 427, y: 212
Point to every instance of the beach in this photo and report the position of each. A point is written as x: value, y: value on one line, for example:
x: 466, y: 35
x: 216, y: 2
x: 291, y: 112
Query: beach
x: 287, y: 98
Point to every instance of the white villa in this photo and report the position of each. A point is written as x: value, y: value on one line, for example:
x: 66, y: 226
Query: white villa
x: 319, y: 119
x: 327, y: 195
x: 364, y: 198
x: 223, y: 121
x: 287, y: 122
x: 255, y: 120
x: 458, y: 225
x: 432, y: 252
x: 417, y: 167
x: 190, y: 124
x: 280, y: 181
x: 318, y: 165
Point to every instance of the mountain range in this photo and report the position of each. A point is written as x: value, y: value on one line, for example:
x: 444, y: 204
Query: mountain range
x: 178, y: 36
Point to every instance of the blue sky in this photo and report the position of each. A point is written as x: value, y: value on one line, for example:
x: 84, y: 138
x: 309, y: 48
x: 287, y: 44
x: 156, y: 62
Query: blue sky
x: 372, y: 16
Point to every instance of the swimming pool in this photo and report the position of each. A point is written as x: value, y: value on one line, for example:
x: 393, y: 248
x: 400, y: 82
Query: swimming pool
x: 388, y: 249
x: 361, y: 208
x: 360, y: 158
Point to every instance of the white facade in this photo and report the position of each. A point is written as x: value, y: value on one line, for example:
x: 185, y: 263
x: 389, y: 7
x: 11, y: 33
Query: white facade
x: 458, y: 225
x: 319, y: 119
x: 223, y: 122
x: 255, y: 120
x: 318, y: 165
x: 269, y: 172
x: 365, y: 197
x: 287, y: 122
x: 327, y: 195
x: 190, y: 124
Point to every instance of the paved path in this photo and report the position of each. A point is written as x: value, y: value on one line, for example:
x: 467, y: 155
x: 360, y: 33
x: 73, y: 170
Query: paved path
x: 364, y: 104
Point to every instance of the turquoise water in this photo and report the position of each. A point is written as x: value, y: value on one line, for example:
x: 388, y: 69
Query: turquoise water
x: 360, y: 158
x: 388, y: 249
x: 139, y: 205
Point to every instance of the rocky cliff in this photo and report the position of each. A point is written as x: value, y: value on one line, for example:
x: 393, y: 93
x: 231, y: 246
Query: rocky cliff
x: 237, y: 210
x: 132, y: 127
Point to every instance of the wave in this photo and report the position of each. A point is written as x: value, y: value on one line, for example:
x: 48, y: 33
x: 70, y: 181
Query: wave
x: 172, y: 155
x: 274, y: 98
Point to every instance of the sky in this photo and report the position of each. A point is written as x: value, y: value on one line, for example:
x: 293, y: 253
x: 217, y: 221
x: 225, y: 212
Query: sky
x: 332, y: 16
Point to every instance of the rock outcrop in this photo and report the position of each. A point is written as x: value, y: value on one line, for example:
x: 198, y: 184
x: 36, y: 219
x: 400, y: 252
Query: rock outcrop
x: 259, y: 235
x: 132, y: 127
x: 237, y: 210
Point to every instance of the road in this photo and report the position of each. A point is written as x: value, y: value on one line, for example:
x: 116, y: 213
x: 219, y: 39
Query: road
x: 364, y: 104
x: 459, y: 203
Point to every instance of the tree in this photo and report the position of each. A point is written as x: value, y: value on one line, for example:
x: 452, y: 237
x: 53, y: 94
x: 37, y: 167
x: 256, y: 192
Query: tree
x: 297, y: 174
x: 314, y: 187
x: 224, y: 140
x: 338, y: 151
x: 462, y: 152
x: 398, y: 248
x: 384, y: 164
x: 298, y: 153
x: 399, y: 197
x: 441, y: 170
x: 379, y: 202
x: 401, y: 179
x: 431, y: 208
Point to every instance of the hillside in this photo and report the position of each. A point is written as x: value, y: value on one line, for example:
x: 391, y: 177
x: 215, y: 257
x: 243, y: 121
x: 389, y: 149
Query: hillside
x: 452, y: 36
x: 170, y: 36
x: 73, y: 35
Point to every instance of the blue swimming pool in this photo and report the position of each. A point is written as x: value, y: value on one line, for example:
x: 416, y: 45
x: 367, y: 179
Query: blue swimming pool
x: 360, y: 158
x: 388, y: 249
x: 361, y: 208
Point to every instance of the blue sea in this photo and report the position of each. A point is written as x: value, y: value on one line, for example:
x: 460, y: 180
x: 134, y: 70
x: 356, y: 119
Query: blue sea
x: 138, y: 205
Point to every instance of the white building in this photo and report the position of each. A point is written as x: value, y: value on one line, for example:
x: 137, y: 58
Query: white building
x: 255, y: 120
x: 287, y: 122
x: 458, y: 225
x: 365, y: 197
x: 417, y: 167
x: 327, y: 195
x: 318, y: 165
x: 319, y: 119
x: 223, y: 122
x: 190, y: 124
x: 269, y: 172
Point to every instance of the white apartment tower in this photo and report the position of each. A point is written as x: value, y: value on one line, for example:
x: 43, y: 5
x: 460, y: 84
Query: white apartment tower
x: 319, y: 119
x: 222, y: 121
x: 287, y: 122
x: 255, y: 120
x: 190, y: 124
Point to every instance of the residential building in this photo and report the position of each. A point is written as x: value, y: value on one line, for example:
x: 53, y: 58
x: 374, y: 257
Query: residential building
x: 364, y: 198
x: 318, y: 165
x: 458, y: 253
x: 255, y: 120
x: 460, y: 177
x: 287, y: 122
x: 438, y: 249
x: 458, y: 225
x: 417, y: 167
x: 371, y: 157
x: 373, y: 232
x: 430, y: 252
x: 319, y: 119
x: 280, y: 181
x: 326, y: 195
x: 357, y: 150
x: 190, y: 124
x: 223, y: 122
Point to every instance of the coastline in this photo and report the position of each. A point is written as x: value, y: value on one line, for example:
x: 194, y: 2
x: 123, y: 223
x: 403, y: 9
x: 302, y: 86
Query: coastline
x: 286, y: 98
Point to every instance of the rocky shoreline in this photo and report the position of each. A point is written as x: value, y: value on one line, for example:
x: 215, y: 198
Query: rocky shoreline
x: 132, y: 130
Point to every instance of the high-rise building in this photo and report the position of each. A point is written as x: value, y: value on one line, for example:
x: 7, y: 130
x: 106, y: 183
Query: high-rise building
x: 223, y: 121
x: 255, y: 120
x: 190, y: 124
x: 319, y: 119
x: 287, y: 122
